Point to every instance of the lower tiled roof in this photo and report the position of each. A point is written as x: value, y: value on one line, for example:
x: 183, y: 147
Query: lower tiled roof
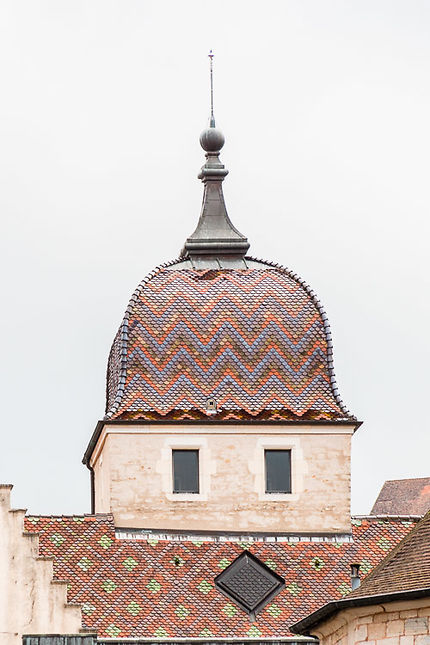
x: 164, y: 588
x: 405, y: 569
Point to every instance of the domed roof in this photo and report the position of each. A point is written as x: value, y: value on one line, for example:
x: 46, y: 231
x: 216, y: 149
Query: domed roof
x: 240, y: 344
x: 218, y: 335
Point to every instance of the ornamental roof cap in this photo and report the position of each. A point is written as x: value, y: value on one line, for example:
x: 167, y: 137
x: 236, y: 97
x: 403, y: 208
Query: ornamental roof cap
x: 215, y: 235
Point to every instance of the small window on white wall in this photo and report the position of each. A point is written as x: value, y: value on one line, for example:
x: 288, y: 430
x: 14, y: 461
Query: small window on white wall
x: 278, y: 471
x: 185, y: 471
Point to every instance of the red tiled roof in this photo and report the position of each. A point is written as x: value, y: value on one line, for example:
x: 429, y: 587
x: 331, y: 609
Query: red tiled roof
x: 403, y: 497
x: 256, y: 341
x: 406, y: 568
x: 404, y: 573
x: 164, y: 588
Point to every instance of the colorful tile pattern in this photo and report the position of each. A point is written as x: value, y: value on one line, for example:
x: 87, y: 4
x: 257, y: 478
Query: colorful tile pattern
x: 255, y: 341
x: 133, y: 588
x: 406, y: 568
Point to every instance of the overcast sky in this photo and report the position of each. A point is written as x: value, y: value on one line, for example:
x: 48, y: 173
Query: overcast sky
x: 325, y: 108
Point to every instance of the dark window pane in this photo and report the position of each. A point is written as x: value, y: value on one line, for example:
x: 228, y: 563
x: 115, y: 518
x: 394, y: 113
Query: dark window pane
x: 278, y: 471
x: 185, y: 471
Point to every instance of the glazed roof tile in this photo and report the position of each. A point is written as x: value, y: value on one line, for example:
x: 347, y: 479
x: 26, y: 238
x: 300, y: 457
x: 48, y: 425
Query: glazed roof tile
x: 255, y: 341
x: 403, y: 574
x: 164, y: 588
x: 406, y: 568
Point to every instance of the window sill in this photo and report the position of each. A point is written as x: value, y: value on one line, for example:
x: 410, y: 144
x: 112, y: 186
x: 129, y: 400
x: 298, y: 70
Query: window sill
x: 278, y: 497
x: 185, y: 492
x: 186, y: 497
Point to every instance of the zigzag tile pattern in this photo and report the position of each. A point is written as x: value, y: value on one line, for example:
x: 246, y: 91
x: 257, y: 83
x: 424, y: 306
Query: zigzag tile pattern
x: 254, y: 340
x: 165, y: 588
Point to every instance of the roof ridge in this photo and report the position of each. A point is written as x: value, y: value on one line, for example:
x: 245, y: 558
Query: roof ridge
x: 386, y: 517
x: 72, y: 515
x: 407, y: 479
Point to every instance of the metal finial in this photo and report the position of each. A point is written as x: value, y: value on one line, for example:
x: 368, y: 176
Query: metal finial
x: 215, y: 236
x: 212, y: 119
x: 211, y: 139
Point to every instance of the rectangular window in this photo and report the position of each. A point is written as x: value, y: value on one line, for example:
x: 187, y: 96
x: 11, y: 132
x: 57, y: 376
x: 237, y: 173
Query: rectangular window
x: 278, y: 471
x: 185, y: 471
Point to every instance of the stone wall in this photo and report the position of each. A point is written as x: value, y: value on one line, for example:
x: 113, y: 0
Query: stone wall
x: 31, y: 602
x: 394, y: 623
x: 133, y: 478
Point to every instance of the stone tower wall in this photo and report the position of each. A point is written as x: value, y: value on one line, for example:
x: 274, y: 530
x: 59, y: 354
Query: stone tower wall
x: 133, y: 478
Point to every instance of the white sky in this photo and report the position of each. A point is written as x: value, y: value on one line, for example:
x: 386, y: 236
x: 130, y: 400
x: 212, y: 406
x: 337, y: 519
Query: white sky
x: 325, y: 107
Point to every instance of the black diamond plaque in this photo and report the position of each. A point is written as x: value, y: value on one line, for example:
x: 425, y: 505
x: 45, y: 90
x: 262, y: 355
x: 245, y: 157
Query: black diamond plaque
x: 249, y: 583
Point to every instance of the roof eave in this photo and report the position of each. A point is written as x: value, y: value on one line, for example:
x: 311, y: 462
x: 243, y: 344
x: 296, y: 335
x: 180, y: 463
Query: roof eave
x: 209, y: 421
x: 304, y: 627
x: 93, y: 442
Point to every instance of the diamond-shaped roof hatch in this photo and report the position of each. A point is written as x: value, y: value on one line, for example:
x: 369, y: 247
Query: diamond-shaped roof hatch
x: 249, y: 583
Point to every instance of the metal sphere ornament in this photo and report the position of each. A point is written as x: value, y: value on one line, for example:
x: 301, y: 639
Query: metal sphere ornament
x: 212, y: 140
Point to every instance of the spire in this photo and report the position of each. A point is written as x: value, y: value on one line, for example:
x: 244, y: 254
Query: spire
x: 215, y: 235
x: 211, y: 64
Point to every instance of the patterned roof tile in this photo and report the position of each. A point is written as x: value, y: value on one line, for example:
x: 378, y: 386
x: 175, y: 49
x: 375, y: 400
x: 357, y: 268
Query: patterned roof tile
x: 255, y: 341
x: 405, y: 567
x: 158, y: 588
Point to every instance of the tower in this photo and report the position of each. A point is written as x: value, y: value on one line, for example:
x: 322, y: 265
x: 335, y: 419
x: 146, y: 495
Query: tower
x: 220, y: 475
x: 222, y: 409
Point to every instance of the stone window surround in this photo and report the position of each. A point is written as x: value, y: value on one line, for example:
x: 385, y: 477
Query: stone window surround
x: 257, y: 467
x: 164, y: 467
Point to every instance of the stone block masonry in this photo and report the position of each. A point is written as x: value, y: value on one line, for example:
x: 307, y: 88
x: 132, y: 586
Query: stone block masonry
x: 394, y: 623
x: 31, y: 601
